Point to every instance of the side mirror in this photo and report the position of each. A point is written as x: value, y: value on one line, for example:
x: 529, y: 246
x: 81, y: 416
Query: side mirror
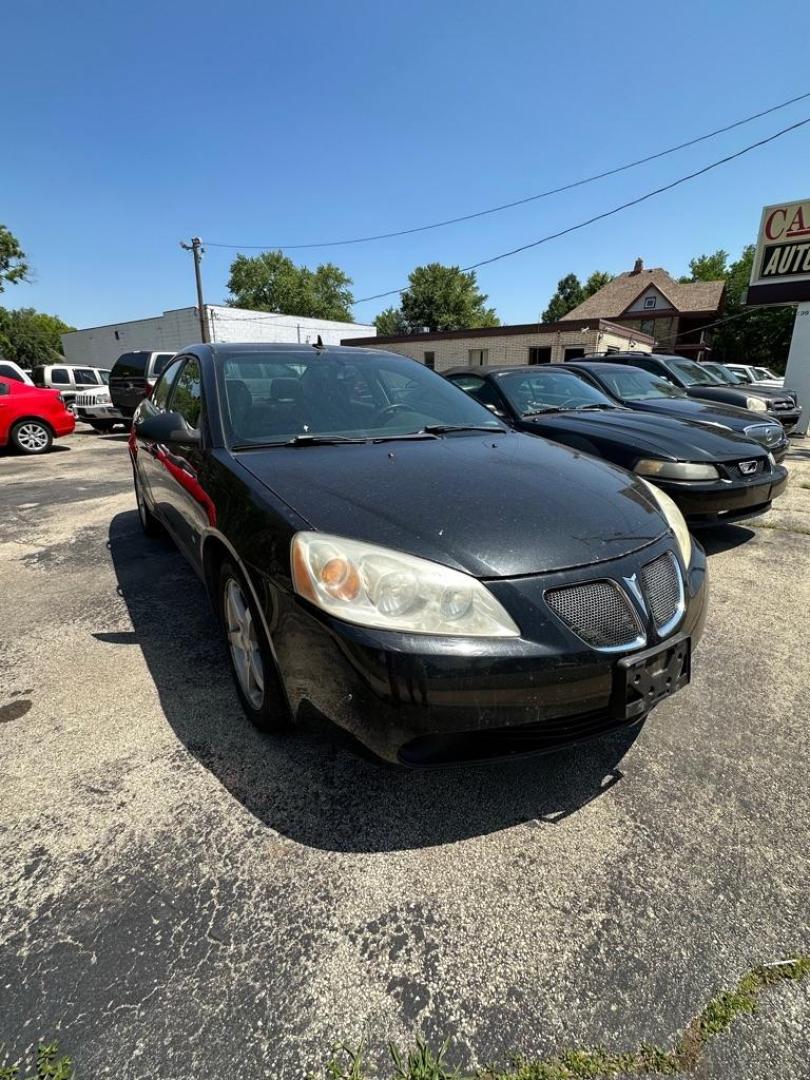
x: 167, y: 427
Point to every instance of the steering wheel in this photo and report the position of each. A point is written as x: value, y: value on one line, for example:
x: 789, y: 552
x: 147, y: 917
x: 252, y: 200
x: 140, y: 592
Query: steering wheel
x: 388, y: 410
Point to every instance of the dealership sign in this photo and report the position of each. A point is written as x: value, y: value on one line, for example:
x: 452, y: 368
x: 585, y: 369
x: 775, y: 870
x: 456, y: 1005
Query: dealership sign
x: 781, y: 270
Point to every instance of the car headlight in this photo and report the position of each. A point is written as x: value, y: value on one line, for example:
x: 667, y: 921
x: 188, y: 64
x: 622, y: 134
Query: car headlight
x: 772, y: 460
x: 675, y: 520
x: 675, y: 470
x: 756, y: 404
x: 376, y: 586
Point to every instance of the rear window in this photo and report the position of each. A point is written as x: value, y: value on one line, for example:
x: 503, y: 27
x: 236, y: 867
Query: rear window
x: 130, y: 364
x: 8, y: 372
x: 60, y: 375
x: 38, y: 375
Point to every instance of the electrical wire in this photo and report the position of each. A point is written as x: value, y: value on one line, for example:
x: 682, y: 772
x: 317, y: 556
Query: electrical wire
x: 606, y: 213
x: 518, y: 202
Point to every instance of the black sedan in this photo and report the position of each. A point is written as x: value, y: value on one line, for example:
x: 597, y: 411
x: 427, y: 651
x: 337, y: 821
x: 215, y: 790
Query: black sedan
x: 712, y: 474
x: 699, y: 382
x: 382, y: 548
x: 644, y: 392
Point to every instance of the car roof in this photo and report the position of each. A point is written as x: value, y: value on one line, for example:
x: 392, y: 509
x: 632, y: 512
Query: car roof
x: 596, y: 366
x: 226, y: 350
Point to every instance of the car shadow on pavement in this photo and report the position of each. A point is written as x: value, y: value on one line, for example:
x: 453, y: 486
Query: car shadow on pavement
x: 311, y: 785
x: 722, y: 538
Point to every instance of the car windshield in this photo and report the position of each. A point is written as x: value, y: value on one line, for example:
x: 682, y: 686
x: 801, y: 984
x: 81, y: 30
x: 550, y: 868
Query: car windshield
x: 297, y: 398
x: 724, y: 375
x: 104, y: 376
x: 765, y: 373
x: 551, y: 391
x: 693, y: 374
x: 633, y: 384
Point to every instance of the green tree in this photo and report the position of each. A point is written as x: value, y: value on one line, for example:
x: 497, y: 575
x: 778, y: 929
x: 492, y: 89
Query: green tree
x: 30, y: 337
x: 569, y: 294
x: 391, y: 321
x: 271, y: 281
x: 712, y: 267
x: 597, y: 281
x: 440, y: 298
x: 13, y: 264
x: 762, y: 336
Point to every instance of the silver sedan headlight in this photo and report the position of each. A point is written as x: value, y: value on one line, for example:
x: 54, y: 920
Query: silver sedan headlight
x: 376, y: 586
x: 675, y: 470
x: 675, y: 520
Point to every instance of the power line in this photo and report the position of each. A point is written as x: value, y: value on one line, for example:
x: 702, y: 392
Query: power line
x: 606, y: 213
x: 519, y: 202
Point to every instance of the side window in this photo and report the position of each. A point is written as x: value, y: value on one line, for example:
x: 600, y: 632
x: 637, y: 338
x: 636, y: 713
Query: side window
x: 85, y: 376
x: 8, y: 372
x: 160, y: 363
x: 160, y: 395
x: 60, y: 375
x: 186, y: 397
x: 479, y: 389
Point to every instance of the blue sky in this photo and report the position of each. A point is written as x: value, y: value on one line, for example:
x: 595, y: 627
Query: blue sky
x: 128, y: 127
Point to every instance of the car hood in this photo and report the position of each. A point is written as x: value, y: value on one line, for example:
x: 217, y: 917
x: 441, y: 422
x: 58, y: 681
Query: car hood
x: 662, y: 436
x: 704, y: 411
x: 493, y: 506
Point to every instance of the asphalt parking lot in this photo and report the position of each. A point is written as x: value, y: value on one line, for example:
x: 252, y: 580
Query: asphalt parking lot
x: 181, y: 896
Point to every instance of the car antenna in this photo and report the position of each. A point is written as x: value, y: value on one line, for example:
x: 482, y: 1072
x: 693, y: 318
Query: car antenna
x: 319, y: 343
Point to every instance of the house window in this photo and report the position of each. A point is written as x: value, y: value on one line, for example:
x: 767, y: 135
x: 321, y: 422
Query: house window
x: 573, y: 353
x: 649, y: 303
x: 539, y: 354
x: 430, y: 360
x: 648, y: 326
x: 612, y: 349
x: 477, y: 357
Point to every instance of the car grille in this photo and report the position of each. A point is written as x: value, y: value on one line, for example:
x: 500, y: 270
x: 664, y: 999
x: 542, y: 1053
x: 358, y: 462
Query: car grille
x: 90, y: 398
x: 767, y: 434
x: 738, y: 472
x: 661, y: 583
x: 598, y: 612
x: 783, y: 406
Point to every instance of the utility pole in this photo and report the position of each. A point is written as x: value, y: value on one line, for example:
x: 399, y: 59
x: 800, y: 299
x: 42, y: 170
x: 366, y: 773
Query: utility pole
x: 197, y: 249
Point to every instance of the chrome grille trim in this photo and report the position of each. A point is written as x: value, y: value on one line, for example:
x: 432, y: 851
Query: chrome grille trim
x: 662, y: 583
x: 600, y: 613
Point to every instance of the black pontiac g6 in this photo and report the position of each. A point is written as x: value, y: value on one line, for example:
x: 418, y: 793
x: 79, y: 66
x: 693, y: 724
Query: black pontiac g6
x: 381, y: 547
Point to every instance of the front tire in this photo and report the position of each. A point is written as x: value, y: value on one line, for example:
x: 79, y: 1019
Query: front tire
x: 31, y: 437
x: 252, y: 664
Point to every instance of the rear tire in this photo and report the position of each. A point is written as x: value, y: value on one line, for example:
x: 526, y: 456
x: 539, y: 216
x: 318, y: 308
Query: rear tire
x: 31, y: 437
x: 253, y: 666
x: 149, y: 523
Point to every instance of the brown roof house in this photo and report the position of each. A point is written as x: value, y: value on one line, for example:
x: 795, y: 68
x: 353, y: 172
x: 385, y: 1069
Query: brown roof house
x: 653, y: 302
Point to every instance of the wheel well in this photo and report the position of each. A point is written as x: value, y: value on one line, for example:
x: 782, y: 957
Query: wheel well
x: 214, y: 554
x: 39, y: 419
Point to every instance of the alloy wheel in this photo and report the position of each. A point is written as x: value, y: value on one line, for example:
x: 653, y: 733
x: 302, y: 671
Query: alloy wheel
x: 32, y: 437
x: 244, y: 644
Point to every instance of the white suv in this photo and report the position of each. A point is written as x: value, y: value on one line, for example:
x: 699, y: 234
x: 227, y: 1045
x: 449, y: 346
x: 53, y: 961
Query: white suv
x: 70, y: 380
x: 758, y: 376
x: 10, y: 370
x: 95, y: 408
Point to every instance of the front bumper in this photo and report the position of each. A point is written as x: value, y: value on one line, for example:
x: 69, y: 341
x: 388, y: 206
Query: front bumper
x: 712, y: 502
x: 406, y: 697
x: 787, y: 418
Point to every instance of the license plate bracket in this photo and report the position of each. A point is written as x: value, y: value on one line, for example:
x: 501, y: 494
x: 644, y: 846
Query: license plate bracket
x: 643, y: 679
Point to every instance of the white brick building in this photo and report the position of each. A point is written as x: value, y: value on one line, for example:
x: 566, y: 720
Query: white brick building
x: 100, y: 346
x: 513, y: 346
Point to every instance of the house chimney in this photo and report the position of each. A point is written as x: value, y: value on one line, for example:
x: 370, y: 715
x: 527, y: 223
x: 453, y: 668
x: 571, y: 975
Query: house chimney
x: 638, y: 266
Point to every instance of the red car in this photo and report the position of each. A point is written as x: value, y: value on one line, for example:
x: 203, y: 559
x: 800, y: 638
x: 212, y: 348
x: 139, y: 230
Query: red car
x: 30, y: 418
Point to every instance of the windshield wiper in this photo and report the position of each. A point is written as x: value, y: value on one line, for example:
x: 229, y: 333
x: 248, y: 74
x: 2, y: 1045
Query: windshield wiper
x: 594, y: 405
x: 298, y: 440
x: 443, y: 429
